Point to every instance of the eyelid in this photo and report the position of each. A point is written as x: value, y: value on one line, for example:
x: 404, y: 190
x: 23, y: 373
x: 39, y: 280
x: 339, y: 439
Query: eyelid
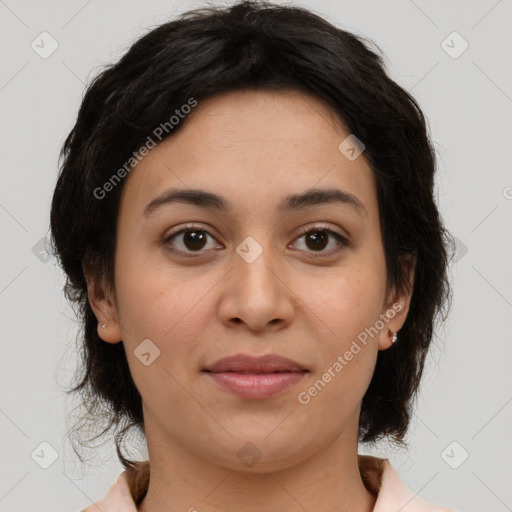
x: 321, y: 227
x: 187, y: 227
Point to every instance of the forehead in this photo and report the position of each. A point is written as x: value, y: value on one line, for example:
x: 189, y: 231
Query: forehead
x: 254, y: 148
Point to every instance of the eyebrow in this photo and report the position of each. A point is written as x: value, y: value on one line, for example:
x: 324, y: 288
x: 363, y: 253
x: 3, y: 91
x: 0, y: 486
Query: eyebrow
x: 293, y: 202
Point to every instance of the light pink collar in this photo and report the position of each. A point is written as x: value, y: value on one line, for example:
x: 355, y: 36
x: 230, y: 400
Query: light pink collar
x: 393, y: 494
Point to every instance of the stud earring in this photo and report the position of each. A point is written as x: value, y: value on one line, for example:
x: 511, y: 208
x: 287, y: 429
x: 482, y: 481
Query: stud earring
x: 393, y: 335
x: 103, y: 326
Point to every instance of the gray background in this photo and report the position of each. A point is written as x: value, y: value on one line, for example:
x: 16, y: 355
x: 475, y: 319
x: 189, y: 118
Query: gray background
x: 466, y: 394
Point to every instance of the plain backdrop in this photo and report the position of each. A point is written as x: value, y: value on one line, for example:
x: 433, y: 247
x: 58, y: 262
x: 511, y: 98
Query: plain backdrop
x: 460, y: 438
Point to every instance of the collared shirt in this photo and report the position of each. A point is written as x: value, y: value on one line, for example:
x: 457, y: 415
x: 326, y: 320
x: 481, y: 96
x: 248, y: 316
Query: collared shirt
x: 378, y: 476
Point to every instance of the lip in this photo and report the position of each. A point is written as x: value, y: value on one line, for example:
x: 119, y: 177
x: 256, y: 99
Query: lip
x: 268, y: 363
x: 256, y: 377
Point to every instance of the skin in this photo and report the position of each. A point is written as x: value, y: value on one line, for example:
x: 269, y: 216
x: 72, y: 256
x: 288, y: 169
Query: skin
x: 253, y: 148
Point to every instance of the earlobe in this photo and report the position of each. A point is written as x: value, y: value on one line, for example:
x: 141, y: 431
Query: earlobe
x: 397, y: 307
x: 394, y: 318
x: 105, y: 311
x: 109, y: 332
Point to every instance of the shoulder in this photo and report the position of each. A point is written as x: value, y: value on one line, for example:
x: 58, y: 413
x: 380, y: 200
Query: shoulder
x: 393, y: 493
x: 118, y: 499
x: 127, y: 491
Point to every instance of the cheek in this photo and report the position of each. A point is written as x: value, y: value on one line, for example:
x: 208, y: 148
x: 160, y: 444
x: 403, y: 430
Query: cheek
x: 348, y: 305
x: 164, y: 305
x: 349, y: 301
x: 347, y: 354
x: 170, y: 311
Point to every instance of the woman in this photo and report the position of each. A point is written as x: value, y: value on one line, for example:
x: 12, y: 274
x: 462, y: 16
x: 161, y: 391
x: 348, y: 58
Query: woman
x: 245, y: 216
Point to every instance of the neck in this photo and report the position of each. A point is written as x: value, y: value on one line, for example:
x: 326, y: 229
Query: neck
x: 329, y: 480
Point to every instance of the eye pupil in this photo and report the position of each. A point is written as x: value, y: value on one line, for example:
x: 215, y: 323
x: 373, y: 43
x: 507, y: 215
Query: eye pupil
x: 194, y: 240
x: 319, y: 239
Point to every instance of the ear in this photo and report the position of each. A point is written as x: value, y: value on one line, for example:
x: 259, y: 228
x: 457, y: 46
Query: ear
x: 397, y: 304
x: 104, y: 307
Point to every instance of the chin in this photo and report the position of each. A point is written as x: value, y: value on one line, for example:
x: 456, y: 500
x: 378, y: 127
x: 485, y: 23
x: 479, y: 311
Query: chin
x: 261, y: 452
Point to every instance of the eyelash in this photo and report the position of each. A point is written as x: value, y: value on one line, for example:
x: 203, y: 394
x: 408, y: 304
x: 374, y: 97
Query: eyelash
x: 342, y: 241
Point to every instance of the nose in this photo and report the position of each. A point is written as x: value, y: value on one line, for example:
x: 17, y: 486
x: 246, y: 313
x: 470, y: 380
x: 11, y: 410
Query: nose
x: 255, y: 293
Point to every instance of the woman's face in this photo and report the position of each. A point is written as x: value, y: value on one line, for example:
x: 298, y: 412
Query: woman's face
x: 248, y: 279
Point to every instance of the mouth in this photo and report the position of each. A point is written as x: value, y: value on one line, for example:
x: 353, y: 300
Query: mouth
x: 256, y: 377
x: 242, y: 363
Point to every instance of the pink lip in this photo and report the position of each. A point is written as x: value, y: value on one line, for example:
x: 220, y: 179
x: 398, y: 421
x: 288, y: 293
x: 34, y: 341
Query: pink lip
x: 256, y: 377
x: 242, y: 363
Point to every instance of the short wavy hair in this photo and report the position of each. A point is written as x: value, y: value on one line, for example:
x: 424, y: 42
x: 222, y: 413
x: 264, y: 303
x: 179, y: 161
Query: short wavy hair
x: 263, y: 46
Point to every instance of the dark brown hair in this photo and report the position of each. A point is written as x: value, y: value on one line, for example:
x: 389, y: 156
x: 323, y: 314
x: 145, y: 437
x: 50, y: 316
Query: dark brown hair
x: 256, y: 45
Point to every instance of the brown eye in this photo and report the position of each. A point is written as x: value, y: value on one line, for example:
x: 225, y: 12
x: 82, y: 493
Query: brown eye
x: 318, y: 238
x: 188, y: 241
x: 194, y: 240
